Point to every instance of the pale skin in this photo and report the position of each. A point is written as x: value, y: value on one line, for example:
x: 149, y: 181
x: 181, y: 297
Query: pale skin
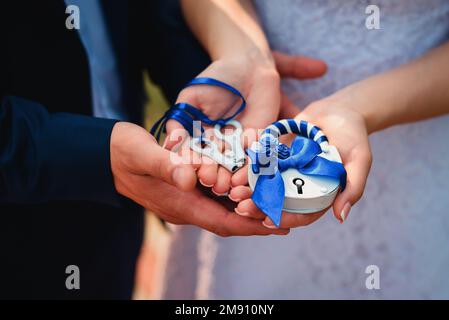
x: 242, y: 58
x: 143, y: 171
x: 416, y: 91
x: 151, y: 176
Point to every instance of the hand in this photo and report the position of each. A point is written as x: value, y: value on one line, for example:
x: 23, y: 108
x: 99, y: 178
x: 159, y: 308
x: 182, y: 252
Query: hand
x: 346, y: 129
x: 257, y: 78
x: 156, y: 179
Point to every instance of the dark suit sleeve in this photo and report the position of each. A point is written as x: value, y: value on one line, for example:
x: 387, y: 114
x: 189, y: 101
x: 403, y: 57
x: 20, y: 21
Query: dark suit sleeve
x: 51, y: 157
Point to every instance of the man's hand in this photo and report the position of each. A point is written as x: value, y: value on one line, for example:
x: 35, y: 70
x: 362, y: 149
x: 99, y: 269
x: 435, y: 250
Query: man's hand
x: 257, y: 77
x: 156, y: 179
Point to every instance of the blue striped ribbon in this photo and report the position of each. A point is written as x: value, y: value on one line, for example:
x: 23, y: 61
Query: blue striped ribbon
x: 269, y: 192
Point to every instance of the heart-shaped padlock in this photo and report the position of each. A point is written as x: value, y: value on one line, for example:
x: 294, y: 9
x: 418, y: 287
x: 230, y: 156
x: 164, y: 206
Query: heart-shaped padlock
x: 303, y: 178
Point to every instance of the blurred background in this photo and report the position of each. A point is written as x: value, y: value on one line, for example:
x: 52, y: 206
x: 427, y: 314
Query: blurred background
x: 151, y: 263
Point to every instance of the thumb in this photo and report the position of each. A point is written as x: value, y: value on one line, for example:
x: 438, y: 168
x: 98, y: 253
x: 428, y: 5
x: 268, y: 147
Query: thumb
x: 169, y: 167
x: 299, y: 67
x: 176, y: 135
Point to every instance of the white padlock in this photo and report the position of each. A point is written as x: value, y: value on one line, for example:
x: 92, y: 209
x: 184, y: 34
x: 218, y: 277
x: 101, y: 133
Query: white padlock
x: 304, y: 193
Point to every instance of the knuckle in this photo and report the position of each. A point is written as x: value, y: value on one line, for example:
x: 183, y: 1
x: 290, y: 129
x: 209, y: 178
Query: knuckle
x: 272, y: 76
x: 188, y: 94
x: 221, y: 232
x: 224, y: 234
x: 157, y: 167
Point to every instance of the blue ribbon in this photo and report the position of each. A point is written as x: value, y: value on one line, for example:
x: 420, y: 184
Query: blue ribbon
x: 185, y: 113
x: 269, y: 191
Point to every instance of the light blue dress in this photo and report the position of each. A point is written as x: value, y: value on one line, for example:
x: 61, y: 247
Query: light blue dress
x: 401, y: 224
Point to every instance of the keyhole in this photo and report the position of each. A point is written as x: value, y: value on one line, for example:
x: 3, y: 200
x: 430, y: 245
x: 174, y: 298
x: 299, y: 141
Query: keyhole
x: 299, y: 183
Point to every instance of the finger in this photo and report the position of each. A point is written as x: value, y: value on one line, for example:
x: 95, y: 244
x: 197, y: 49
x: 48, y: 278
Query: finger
x: 223, y: 184
x: 176, y: 134
x: 247, y: 208
x: 194, y: 208
x: 208, y: 172
x: 299, y: 67
x: 196, y: 159
x: 187, y: 154
x: 166, y: 165
x: 240, y: 193
x: 190, y: 157
x: 294, y: 220
x: 168, y: 218
x: 357, y: 170
x: 210, y: 215
x: 249, y: 136
x: 240, y: 178
x: 241, y: 226
x: 142, y: 190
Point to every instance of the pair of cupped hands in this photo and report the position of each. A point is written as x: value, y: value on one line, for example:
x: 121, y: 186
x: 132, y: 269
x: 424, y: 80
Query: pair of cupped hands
x: 162, y: 181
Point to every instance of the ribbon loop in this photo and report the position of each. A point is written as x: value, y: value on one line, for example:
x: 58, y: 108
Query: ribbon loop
x: 185, y: 113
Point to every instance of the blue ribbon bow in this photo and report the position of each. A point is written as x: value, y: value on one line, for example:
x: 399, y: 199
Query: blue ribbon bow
x: 185, y: 113
x: 269, y: 192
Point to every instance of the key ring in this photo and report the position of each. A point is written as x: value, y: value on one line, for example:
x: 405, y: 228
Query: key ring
x: 187, y: 114
x: 233, y: 158
x: 233, y: 140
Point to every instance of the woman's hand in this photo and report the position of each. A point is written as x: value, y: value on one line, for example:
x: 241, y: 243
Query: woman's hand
x: 373, y: 104
x: 256, y: 76
x: 346, y: 129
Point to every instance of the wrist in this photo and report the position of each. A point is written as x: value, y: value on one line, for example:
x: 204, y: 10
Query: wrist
x: 121, y: 138
x: 251, y: 55
x: 356, y: 101
x: 114, y: 147
x: 334, y: 111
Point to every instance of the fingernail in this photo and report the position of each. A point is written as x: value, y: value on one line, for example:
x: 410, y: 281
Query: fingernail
x: 269, y: 224
x: 219, y: 194
x: 345, y: 212
x: 206, y: 185
x: 235, y: 200
x: 243, y: 214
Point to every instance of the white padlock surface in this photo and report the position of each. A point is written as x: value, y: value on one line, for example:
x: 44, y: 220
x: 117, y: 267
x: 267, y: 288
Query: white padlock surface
x: 317, y: 193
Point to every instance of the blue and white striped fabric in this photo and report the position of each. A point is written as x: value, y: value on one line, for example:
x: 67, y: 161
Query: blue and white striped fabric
x: 301, y: 128
x: 269, y: 159
x: 268, y: 149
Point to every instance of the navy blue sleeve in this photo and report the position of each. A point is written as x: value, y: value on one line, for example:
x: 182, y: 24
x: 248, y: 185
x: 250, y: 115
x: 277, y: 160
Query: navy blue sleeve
x: 52, y: 157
